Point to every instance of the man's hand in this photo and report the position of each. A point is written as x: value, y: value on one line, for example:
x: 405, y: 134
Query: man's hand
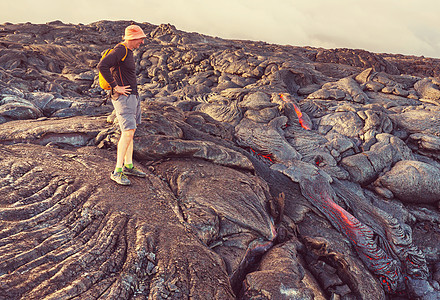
x: 123, y: 90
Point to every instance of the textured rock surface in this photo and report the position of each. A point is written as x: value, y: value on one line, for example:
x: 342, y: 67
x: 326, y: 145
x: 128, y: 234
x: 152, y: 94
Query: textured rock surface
x: 413, y: 181
x: 67, y: 234
x: 273, y: 172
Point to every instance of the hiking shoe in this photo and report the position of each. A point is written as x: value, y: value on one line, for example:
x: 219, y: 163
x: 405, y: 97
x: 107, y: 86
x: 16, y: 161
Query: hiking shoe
x: 120, y: 178
x: 133, y: 171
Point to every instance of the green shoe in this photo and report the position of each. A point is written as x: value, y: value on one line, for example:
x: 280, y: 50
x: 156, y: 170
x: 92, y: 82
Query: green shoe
x: 133, y: 171
x: 120, y: 178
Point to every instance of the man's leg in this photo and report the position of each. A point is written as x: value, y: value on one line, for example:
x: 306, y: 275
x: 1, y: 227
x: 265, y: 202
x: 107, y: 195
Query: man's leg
x: 125, y: 145
x: 129, y: 168
x: 128, y: 158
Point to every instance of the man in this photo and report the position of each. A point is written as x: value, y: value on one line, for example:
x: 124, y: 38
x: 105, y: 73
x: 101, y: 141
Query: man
x: 119, y: 70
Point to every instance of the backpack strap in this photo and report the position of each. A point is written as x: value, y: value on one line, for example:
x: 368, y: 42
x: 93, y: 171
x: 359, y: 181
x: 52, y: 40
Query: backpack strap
x: 126, y: 51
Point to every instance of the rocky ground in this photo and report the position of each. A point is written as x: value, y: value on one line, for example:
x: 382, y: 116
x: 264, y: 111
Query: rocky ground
x: 273, y: 172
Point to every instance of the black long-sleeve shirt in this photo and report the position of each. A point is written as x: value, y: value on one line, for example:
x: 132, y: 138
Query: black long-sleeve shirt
x: 118, y: 72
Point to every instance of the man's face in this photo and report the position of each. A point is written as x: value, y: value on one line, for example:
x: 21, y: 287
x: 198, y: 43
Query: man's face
x: 136, y: 43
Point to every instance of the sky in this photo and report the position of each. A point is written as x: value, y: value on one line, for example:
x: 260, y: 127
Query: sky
x: 409, y: 27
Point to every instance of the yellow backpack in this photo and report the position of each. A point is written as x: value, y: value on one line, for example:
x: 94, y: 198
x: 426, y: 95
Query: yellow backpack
x: 102, y: 82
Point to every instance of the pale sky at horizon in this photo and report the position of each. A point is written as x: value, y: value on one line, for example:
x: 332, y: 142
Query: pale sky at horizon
x: 409, y: 27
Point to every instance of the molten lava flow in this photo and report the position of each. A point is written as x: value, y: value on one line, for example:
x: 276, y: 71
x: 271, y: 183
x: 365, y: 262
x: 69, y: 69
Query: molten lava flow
x: 301, y: 120
x: 265, y: 156
x: 321, y: 195
x: 394, y: 237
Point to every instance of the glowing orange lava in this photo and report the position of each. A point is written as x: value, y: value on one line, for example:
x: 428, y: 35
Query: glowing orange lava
x: 266, y: 156
x: 302, y: 122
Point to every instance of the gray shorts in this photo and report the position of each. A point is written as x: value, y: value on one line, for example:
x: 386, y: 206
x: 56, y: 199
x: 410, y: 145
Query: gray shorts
x: 128, y: 111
